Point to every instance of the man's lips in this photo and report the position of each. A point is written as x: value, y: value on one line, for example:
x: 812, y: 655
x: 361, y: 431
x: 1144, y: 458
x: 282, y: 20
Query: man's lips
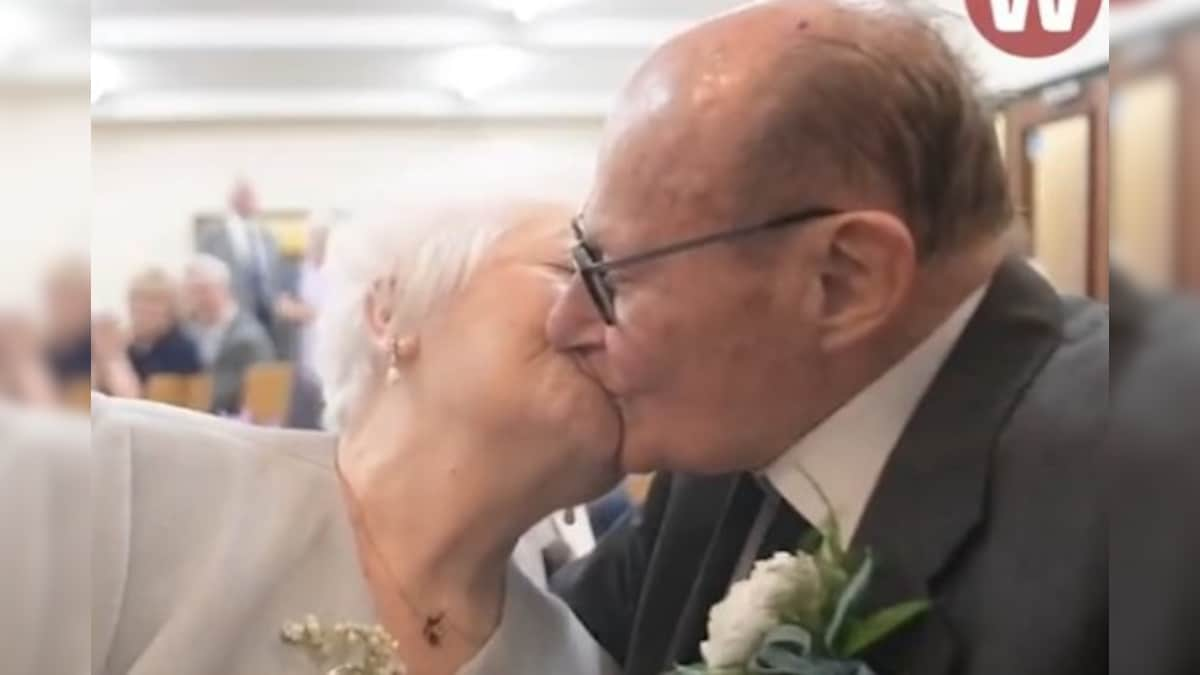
x: 587, y: 371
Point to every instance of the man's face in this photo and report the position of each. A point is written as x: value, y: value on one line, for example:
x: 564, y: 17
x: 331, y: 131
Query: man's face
x: 244, y: 201
x: 207, y: 299
x: 713, y: 352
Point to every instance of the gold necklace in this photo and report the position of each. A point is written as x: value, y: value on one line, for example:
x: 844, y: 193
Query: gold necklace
x: 434, y: 625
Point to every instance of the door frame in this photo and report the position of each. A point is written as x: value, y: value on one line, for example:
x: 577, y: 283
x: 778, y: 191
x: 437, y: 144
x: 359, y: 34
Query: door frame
x: 1038, y: 108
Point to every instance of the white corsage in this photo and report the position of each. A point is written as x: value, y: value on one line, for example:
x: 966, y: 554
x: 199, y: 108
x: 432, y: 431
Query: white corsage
x: 799, y: 614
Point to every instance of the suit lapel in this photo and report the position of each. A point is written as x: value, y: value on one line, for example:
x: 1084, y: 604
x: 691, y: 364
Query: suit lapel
x: 743, y: 502
x: 931, y: 493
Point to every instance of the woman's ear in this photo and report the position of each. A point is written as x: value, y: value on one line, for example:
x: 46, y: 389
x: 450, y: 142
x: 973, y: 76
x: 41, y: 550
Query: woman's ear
x: 378, y: 312
x: 398, y: 350
x: 870, y: 263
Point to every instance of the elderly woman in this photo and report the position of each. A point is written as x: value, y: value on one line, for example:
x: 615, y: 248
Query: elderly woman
x: 157, y: 343
x: 223, y: 549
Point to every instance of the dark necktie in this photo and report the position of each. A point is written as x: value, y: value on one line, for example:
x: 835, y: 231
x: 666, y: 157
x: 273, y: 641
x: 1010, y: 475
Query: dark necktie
x: 778, y: 527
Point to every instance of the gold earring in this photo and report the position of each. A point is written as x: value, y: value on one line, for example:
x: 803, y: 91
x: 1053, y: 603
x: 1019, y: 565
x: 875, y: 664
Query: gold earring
x: 403, y: 349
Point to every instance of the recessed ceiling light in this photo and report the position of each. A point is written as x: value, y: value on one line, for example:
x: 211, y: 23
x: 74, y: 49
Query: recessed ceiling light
x: 526, y: 11
x: 472, y: 71
x: 106, y: 76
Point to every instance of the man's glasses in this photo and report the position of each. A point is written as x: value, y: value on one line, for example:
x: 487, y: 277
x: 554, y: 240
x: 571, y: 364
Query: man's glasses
x: 594, y: 270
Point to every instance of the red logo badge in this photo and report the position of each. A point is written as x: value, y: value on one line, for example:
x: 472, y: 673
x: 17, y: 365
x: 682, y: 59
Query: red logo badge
x: 1034, y: 28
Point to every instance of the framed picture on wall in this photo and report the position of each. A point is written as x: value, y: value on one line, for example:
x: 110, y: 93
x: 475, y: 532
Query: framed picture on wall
x: 290, y: 228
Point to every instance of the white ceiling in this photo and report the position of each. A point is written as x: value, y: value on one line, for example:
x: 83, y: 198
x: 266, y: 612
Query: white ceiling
x: 43, y: 42
x: 203, y: 59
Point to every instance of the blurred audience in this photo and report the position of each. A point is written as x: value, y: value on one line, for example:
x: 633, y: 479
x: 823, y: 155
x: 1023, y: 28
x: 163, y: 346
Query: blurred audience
x: 112, y: 372
x: 229, y: 337
x: 160, y: 344
x: 249, y: 251
x: 296, y: 309
x: 25, y: 376
x: 68, y: 291
x: 156, y: 344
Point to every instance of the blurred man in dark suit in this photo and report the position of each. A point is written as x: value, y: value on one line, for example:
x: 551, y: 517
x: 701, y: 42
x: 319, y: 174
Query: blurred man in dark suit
x: 250, y: 252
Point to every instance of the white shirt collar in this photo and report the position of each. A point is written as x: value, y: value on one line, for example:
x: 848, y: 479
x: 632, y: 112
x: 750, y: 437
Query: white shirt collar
x: 846, y: 453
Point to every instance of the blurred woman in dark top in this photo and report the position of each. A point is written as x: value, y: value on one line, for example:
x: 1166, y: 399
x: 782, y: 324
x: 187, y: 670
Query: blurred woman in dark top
x: 157, y: 343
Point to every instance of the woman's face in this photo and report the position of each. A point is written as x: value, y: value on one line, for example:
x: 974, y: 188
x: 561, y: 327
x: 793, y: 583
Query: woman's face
x: 489, y: 362
x: 150, y: 313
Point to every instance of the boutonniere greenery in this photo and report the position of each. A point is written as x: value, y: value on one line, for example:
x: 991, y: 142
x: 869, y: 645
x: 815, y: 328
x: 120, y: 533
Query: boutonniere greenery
x: 345, y: 648
x: 800, y: 614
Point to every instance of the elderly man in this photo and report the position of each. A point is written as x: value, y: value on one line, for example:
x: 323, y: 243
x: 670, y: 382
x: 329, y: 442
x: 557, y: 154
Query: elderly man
x: 229, y: 339
x: 249, y: 250
x: 794, y: 262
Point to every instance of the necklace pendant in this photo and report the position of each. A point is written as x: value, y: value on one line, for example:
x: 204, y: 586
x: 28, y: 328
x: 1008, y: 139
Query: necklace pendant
x: 434, y: 629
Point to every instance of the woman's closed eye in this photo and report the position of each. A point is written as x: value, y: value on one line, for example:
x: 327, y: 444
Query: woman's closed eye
x: 562, y: 267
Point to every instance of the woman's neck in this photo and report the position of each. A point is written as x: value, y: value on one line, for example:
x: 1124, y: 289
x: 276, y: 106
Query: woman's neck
x: 438, y: 513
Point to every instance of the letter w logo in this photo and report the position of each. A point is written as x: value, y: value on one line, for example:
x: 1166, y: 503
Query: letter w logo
x: 1011, y: 16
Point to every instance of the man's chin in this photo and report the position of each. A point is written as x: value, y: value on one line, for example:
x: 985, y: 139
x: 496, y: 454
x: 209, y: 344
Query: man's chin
x: 635, y: 459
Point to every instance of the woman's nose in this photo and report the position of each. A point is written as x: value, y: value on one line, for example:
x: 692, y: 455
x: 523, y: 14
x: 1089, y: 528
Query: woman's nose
x: 574, y: 323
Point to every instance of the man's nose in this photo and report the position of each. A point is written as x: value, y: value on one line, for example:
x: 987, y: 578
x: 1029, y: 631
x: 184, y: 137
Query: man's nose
x: 574, y: 323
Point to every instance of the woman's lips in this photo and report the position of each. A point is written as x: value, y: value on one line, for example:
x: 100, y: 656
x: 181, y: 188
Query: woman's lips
x: 613, y: 400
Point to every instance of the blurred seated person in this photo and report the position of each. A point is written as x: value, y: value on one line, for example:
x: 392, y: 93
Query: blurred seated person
x: 160, y: 344
x: 228, y: 337
x: 25, y: 376
x: 112, y: 373
x: 607, y: 510
x: 68, y: 291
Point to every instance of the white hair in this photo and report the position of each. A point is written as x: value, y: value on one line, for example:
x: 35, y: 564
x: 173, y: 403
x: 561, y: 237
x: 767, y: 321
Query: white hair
x: 210, y: 268
x: 431, y: 251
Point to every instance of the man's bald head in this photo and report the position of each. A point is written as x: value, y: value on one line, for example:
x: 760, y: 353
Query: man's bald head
x: 784, y: 104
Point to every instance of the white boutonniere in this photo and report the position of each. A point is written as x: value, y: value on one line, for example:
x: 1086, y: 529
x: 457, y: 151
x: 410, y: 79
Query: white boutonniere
x: 800, y: 614
x: 345, y: 648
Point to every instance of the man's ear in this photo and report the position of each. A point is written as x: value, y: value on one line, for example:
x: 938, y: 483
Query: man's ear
x: 870, y: 262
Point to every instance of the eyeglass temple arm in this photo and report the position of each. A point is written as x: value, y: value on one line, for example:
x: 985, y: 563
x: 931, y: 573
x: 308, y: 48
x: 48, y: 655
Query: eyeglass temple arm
x: 790, y: 219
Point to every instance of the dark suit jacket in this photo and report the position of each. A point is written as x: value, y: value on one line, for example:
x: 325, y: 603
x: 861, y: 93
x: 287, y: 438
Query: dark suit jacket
x: 1154, y: 498
x: 988, y: 507
x: 255, y: 290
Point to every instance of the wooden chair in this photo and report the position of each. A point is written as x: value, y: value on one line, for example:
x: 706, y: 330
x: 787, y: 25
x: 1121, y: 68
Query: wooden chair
x: 267, y: 392
x: 194, y: 392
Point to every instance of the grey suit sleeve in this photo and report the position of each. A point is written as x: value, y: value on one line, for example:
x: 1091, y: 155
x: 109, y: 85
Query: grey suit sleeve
x: 250, y: 345
x: 44, y: 523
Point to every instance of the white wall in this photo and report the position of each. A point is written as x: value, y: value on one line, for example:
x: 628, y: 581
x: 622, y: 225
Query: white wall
x: 44, y: 185
x: 149, y: 179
